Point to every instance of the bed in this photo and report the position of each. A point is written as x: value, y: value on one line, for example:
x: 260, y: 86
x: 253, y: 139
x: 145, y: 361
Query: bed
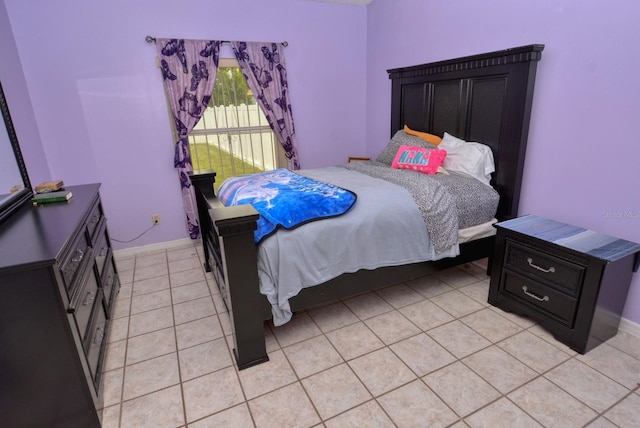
x: 485, y: 98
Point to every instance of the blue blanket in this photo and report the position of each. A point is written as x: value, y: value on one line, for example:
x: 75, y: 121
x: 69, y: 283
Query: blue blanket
x: 285, y: 199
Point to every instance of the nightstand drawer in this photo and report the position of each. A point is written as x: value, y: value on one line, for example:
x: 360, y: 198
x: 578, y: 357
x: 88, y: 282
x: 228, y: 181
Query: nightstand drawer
x: 560, y: 306
x: 547, y: 267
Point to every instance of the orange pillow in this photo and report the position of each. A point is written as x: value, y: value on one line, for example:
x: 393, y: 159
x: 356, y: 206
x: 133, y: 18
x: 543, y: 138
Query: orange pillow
x: 429, y: 138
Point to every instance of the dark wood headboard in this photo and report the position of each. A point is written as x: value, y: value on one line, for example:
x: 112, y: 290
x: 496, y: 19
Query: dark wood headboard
x: 485, y: 98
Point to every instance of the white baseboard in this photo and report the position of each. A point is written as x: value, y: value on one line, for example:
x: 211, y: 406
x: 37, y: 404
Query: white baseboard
x: 152, y: 248
x: 629, y: 327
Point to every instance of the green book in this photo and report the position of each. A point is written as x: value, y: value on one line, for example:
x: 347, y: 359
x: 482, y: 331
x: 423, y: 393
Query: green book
x: 44, y: 198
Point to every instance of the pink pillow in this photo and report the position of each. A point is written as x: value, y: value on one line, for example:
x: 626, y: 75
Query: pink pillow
x: 419, y: 159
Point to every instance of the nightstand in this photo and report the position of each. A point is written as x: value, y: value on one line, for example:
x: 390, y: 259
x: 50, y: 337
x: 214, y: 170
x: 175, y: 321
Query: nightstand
x: 573, y: 281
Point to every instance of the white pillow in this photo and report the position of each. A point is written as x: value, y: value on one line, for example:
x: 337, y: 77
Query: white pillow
x: 468, y: 158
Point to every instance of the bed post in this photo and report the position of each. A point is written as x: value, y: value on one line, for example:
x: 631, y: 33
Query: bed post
x: 202, y: 182
x: 235, y: 226
x: 231, y: 255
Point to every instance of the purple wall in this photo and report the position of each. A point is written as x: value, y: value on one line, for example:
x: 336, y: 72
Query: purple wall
x: 100, y: 107
x: 97, y: 99
x: 583, y: 157
x: 16, y: 93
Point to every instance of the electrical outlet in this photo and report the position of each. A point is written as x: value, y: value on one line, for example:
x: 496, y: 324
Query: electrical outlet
x: 155, y: 218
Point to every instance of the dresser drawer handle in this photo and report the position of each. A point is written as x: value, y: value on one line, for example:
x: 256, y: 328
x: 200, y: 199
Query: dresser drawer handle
x: 80, y: 256
x: 88, y: 298
x: 97, y: 340
x: 534, y: 296
x: 550, y: 270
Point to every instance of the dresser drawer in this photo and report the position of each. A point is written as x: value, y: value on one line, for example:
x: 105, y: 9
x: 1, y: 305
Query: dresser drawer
x: 552, y: 302
x: 85, y: 300
x: 102, y: 248
x: 545, y: 266
x: 94, y: 220
x: 75, y: 259
x: 94, y: 344
x: 110, y: 282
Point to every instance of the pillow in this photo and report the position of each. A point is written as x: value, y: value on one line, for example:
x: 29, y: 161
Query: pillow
x: 429, y: 138
x: 400, y: 138
x: 468, y: 158
x: 419, y: 159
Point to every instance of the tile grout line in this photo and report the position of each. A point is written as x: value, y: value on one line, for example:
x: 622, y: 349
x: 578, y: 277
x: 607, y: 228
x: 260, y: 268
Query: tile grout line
x: 175, y: 338
x: 126, y: 346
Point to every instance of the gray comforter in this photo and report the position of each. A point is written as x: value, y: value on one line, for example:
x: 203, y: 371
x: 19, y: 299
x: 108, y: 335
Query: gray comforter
x: 447, y: 202
x: 383, y: 228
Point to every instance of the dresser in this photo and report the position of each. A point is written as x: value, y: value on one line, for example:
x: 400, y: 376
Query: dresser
x: 58, y: 282
x: 573, y: 281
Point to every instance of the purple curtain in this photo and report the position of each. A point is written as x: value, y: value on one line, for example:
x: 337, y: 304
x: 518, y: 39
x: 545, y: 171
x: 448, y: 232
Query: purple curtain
x: 189, y: 73
x: 264, y: 69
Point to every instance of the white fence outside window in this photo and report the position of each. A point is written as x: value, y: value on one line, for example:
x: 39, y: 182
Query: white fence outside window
x: 240, y: 132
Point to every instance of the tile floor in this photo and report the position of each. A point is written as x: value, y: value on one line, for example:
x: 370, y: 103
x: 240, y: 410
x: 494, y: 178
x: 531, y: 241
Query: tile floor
x: 426, y: 353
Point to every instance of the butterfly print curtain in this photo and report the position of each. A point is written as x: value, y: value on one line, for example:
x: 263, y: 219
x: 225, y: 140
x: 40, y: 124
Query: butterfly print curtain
x: 265, y: 71
x: 189, y: 73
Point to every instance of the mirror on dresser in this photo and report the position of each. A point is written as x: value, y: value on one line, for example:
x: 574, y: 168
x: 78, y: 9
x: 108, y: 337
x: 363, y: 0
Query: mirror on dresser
x: 15, y: 188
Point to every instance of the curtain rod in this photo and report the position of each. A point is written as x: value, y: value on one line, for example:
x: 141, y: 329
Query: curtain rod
x: 150, y: 39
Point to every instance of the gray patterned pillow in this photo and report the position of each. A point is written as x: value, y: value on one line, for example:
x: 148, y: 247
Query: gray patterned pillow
x: 400, y: 138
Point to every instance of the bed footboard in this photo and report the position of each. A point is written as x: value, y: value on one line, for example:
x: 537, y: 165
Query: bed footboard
x: 231, y: 255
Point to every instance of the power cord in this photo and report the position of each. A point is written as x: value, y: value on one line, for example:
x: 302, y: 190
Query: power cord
x: 133, y: 239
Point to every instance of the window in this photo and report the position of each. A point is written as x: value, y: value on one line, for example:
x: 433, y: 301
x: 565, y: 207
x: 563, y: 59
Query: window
x: 233, y: 136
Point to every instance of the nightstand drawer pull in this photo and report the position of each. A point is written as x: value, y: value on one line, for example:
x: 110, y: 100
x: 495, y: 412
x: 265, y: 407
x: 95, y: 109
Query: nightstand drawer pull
x: 550, y: 270
x: 534, y: 296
